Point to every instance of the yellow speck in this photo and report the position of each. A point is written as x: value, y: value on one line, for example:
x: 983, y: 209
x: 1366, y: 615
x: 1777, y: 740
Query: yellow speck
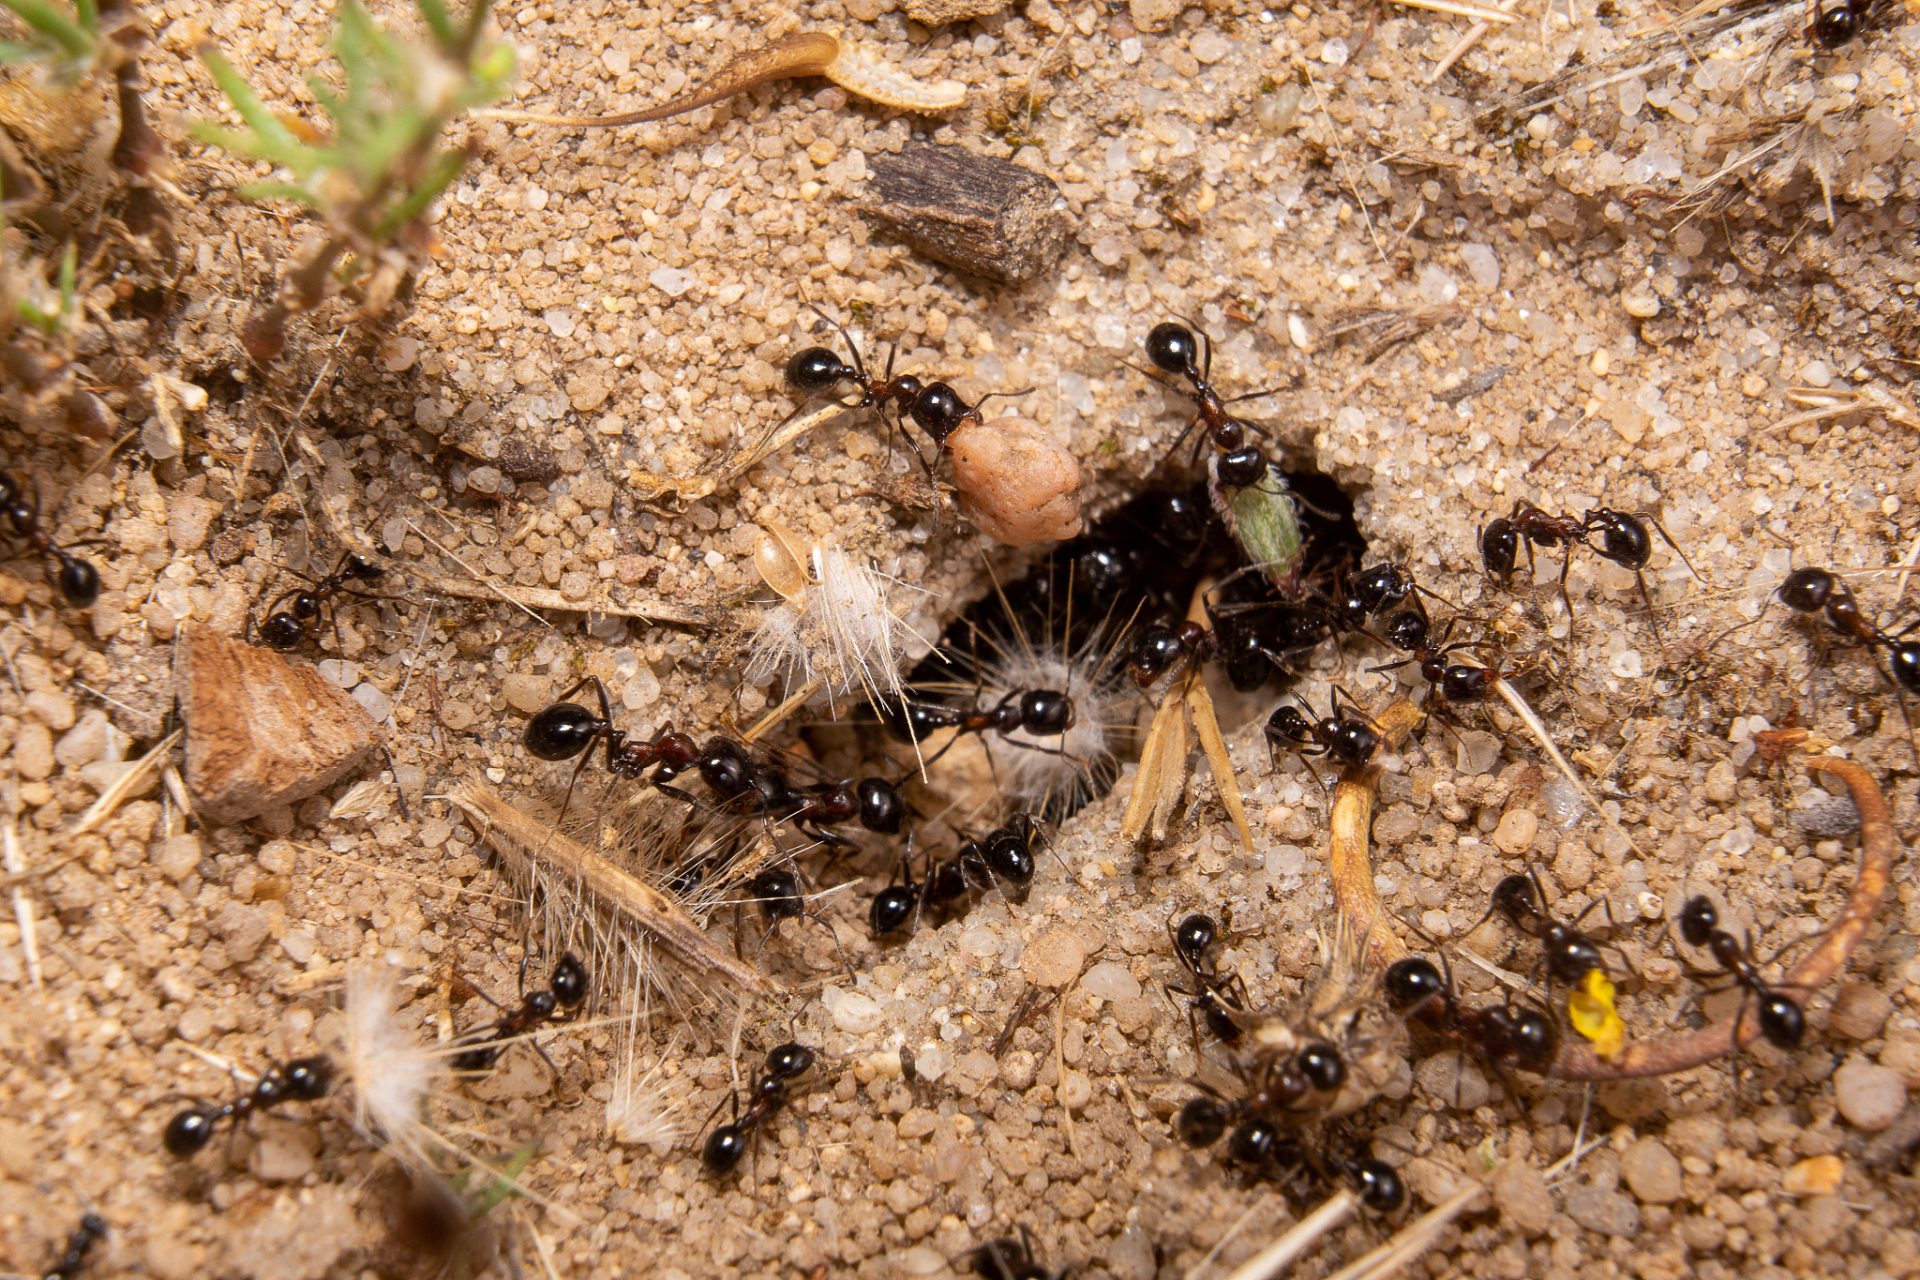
x: 1583, y: 143
x: 1590, y: 1008
x: 610, y: 302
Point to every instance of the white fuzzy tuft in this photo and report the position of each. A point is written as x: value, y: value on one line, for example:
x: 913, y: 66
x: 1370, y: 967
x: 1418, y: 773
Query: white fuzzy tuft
x: 391, y: 1071
x: 1063, y: 772
x: 641, y: 1109
x: 841, y: 630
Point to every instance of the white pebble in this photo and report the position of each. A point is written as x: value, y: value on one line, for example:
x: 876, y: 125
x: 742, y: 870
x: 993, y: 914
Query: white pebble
x: 1818, y: 373
x: 1641, y: 304
x: 672, y: 281
x: 341, y: 672
x: 1111, y: 981
x: 1870, y: 1096
x: 853, y: 1013
x: 377, y: 704
x: 1483, y: 264
x: 560, y: 322
x: 1625, y: 664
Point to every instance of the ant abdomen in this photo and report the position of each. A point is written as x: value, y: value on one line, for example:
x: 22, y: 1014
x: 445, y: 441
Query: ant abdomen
x: 816, y: 369
x: 559, y: 732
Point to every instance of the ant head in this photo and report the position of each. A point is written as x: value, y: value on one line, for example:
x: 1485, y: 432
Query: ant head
x: 778, y: 891
x: 358, y: 566
x: 1533, y: 1037
x: 1806, y: 590
x: 892, y: 909
x: 188, y: 1132
x: 1411, y: 982
x: 569, y: 981
x: 1253, y: 1143
x: 1383, y: 586
x: 725, y: 767
x: 1698, y: 920
x: 1500, y: 547
x: 1904, y: 658
x: 1193, y: 939
x: 1515, y: 898
x: 1202, y: 1121
x: 541, y: 1005
x: 1782, y: 1021
x: 1046, y: 713
x: 1173, y: 349
x: 1009, y: 855
x: 881, y: 807
x: 309, y: 1078
x: 1288, y: 724
x: 1835, y: 24
x: 1161, y: 648
x: 939, y: 411
x: 78, y: 580
x: 1624, y: 538
x: 1407, y: 630
x: 559, y: 732
x: 1241, y: 468
x: 789, y: 1061
x: 283, y: 631
x: 815, y: 369
x: 1380, y: 1187
x: 1322, y: 1066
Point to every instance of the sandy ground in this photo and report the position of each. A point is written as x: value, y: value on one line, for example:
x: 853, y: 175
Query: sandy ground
x: 1587, y: 321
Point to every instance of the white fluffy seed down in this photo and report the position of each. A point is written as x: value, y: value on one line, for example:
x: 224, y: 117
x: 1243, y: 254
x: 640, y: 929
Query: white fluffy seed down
x: 840, y: 628
x: 391, y: 1071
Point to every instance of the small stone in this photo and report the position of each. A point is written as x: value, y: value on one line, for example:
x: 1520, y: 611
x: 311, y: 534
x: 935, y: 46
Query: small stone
x: 1209, y: 46
x: 526, y: 693
x: 285, y: 1152
x: 242, y: 928
x: 855, y: 1013
x: 1016, y: 483
x: 1397, y: 825
x: 1437, y: 287
x: 377, y: 705
x: 1151, y: 15
x: 917, y: 1124
x: 1054, y: 958
x: 1652, y: 1172
x: 1720, y: 782
x: 1017, y: 1069
x: 189, y: 516
x: 1520, y: 1193
x: 1641, y: 304
x: 1817, y: 373
x: 85, y: 742
x: 1859, y: 1011
x: 903, y: 1196
x: 1452, y: 1080
x: 1132, y: 1256
x: 672, y: 281
x: 176, y: 856
x: 54, y: 709
x: 1110, y: 981
x: 1076, y: 1090
x: 1607, y: 1212
x: 1819, y: 1176
x: 33, y: 751
x: 1482, y: 264
x: 1871, y: 1097
x: 1516, y: 831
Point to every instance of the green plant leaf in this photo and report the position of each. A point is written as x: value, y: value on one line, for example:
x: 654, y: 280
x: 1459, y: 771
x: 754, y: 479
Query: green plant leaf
x: 40, y: 320
x: 272, y: 140
x: 14, y: 51
x: 434, y: 14
x: 89, y: 14
x: 500, y: 1188
x: 55, y: 26
x: 439, y: 176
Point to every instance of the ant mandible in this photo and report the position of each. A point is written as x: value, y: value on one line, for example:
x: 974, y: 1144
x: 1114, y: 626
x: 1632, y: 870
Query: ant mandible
x: 1782, y: 1021
x: 78, y: 580
x: 286, y: 629
x: 1624, y: 539
x: 302, y: 1080
x: 566, y: 989
x: 771, y: 1092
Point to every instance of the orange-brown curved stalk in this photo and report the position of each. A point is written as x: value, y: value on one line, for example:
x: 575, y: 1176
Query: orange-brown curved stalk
x: 1693, y: 1048
x: 1348, y: 862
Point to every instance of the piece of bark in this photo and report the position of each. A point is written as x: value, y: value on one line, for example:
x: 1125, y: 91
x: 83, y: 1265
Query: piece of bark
x: 938, y: 13
x: 982, y: 215
x: 261, y: 731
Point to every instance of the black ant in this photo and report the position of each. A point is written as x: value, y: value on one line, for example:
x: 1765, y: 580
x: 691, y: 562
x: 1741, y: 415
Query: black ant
x: 1624, y: 539
x: 1457, y: 682
x: 939, y: 411
x: 566, y: 989
x: 1503, y: 1035
x: 1216, y: 999
x: 770, y: 1093
x: 1350, y: 740
x: 1810, y: 591
x: 780, y: 895
x: 1175, y: 350
x: 1782, y: 1021
x: 302, y: 1080
x: 1008, y: 1259
x: 1287, y: 1088
x: 287, y: 629
x: 566, y: 729
x: 1259, y: 1145
x: 1835, y: 22
x: 1003, y: 854
x: 750, y: 789
x: 1570, y: 954
x: 1044, y: 713
x: 816, y: 370
x: 78, y: 580
x: 92, y: 1230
